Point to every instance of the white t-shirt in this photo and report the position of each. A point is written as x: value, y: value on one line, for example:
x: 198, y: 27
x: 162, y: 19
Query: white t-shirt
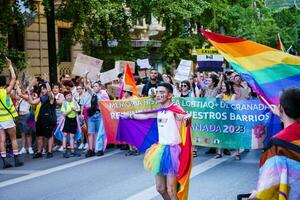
x: 168, y: 128
x: 24, y: 106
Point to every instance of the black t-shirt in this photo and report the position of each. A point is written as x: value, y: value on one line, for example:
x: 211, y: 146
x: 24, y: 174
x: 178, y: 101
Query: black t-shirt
x: 149, y: 86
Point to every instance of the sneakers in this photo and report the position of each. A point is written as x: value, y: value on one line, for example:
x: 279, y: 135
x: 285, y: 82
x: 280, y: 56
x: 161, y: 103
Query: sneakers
x: 23, y: 150
x: 37, y: 155
x: 100, y: 153
x: 66, y: 154
x: 89, y: 153
x: 129, y: 153
x: 18, y: 163
x: 81, y: 146
x: 61, y: 148
x: 49, y: 155
x: 211, y: 151
x: 44, y: 151
x: 86, y: 146
x: 218, y: 156
x: 30, y: 150
x: 55, y: 148
x: 5, y: 163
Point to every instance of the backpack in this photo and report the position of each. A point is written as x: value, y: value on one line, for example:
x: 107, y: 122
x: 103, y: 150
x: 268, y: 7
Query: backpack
x: 94, y: 106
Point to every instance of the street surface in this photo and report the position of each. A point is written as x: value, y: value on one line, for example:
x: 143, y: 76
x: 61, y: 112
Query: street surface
x: 116, y: 177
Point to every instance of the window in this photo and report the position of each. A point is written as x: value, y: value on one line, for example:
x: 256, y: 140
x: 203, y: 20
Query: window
x: 64, y: 45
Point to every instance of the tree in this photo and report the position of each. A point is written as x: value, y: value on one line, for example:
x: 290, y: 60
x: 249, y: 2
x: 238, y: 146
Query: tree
x: 12, y: 19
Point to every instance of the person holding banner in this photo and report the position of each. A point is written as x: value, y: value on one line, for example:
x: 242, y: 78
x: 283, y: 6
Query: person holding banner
x: 280, y: 164
x: 96, y: 131
x: 165, y: 157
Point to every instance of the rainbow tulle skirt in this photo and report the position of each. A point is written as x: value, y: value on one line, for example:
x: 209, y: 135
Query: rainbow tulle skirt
x: 163, y: 159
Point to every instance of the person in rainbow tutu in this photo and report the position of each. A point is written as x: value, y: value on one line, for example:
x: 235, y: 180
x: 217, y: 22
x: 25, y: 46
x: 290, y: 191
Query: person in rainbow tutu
x: 169, y: 158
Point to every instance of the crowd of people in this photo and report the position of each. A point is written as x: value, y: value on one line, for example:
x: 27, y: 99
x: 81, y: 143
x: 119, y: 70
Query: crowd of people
x: 65, y: 116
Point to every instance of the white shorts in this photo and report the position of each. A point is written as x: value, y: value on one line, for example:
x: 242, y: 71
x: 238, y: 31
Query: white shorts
x: 7, y: 124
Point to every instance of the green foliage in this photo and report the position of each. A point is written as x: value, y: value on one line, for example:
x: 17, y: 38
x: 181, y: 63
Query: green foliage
x: 10, y: 14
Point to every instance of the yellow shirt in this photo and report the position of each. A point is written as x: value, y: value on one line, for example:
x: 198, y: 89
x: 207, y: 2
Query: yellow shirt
x: 66, y: 107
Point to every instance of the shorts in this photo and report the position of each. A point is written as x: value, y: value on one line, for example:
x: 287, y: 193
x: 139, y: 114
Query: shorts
x: 70, y: 125
x: 44, y: 131
x: 22, y: 124
x: 94, y: 123
x: 7, y: 124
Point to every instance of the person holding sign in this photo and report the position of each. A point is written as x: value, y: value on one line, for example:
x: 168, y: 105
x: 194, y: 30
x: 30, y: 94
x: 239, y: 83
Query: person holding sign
x: 96, y: 131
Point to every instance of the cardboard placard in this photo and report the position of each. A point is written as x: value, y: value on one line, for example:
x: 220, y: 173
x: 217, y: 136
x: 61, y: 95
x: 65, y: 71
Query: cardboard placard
x: 143, y: 63
x: 113, y: 91
x: 184, y: 69
x: 108, y: 76
x: 85, y: 64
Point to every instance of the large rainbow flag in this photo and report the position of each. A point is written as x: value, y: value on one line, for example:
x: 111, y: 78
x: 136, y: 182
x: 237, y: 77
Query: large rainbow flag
x: 266, y: 69
x: 144, y: 133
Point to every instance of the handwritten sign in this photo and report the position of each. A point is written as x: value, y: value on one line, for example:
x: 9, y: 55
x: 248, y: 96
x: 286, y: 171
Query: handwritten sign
x: 85, y: 64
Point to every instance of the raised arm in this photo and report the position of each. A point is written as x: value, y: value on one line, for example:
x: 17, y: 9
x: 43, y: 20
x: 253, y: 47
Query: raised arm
x: 50, y: 94
x: 221, y: 81
x: 13, y: 77
x: 86, y: 85
x: 32, y: 101
x: 19, y: 92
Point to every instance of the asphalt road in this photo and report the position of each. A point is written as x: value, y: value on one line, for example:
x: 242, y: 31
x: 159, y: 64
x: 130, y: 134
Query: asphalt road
x: 115, y: 176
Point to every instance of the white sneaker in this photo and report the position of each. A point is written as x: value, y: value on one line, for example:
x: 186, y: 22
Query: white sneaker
x: 23, y: 150
x: 61, y: 148
x: 44, y: 151
x: 86, y: 146
x: 81, y: 146
x: 55, y: 148
x: 30, y: 151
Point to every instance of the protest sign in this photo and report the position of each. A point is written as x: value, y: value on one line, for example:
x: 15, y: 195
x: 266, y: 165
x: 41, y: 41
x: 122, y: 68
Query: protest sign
x: 120, y: 66
x: 209, y: 60
x: 144, y: 73
x: 143, y: 63
x: 184, y: 69
x: 108, y: 76
x: 85, y: 64
x: 215, y: 123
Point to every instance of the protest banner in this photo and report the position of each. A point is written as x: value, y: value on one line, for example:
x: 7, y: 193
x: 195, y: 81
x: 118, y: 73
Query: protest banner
x: 108, y: 76
x: 85, y: 64
x: 184, y: 69
x: 143, y: 63
x: 120, y: 65
x: 215, y: 123
x: 111, y: 111
x: 113, y: 91
x: 229, y: 124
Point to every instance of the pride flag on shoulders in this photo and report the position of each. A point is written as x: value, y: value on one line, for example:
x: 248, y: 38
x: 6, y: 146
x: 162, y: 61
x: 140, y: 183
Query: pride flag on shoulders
x: 143, y: 133
x: 266, y: 69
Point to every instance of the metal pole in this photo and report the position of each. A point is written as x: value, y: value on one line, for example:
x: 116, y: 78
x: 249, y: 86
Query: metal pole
x: 51, y: 42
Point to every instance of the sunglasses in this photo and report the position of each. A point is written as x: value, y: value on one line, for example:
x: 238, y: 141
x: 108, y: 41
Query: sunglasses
x: 183, y: 86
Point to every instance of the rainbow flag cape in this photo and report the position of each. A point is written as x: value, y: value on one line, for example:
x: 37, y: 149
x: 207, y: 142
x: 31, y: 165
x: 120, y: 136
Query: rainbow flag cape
x: 279, y: 174
x: 143, y: 133
x: 267, y: 70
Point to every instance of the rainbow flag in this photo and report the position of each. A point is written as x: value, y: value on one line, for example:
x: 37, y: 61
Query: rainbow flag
x: 129, y: 79
x: 267, y: 70
x: 279, y: 173
x: 143, y: 133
